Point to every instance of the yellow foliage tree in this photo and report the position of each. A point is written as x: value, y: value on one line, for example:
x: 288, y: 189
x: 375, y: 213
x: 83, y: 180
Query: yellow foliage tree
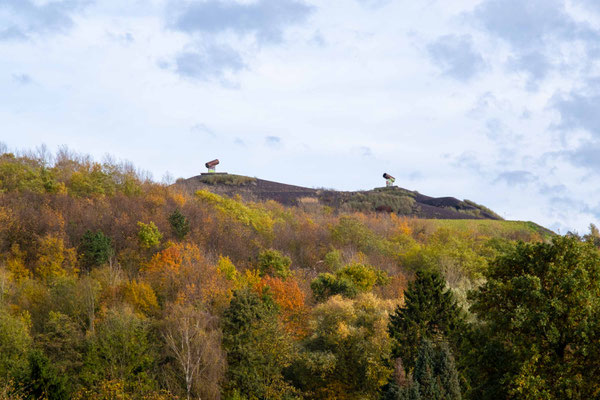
x: 256, y: 217
x: 15, y: 264
x: 53, y: 258
x: 142, y: 297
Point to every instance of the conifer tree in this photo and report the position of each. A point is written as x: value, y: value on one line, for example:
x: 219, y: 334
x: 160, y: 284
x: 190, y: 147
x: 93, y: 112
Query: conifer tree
x: 446, y: 373
x: 435, y: 377
x: 429, y: 312
x: 257, y: 348
x: 95, y: 249
x: 179, y: 224
x: 425, y: 372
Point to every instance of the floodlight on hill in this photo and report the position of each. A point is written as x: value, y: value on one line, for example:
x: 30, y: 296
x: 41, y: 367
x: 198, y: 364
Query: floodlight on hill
x: 211, y: 165
x: 389, y: 180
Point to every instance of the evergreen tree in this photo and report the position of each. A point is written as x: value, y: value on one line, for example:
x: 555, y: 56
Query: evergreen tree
x: 429, y: 312
x: 179, y: 224
x: 393, y: 391
x: 42, y: 380
x: 435, y: 377
x: 424, y: 375
x: 257, y: 348
x: 95, y: 249
x: 412, y: 392
x: 446, y: 373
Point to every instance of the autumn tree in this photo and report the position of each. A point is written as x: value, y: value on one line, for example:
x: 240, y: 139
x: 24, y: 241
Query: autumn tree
x: 15, y: 263
x: 174, y: 268
x: 290, y: 298
x: 141, y: 297
x: 343, y: 357
x: 53, y: 258
x: 193, y: 338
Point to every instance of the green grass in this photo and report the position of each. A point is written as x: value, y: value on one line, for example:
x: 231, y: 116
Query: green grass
x: 482, y: 208
x: 509, y: 229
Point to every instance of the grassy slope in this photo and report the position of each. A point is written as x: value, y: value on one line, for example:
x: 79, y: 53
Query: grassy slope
x: 492, y: 227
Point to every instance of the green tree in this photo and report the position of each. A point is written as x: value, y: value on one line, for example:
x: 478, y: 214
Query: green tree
x: 273, y: 263
x: 121, y: 349
x: 62, y: 342
x: 15, y: 342
x: 148, y: 235
x: 179, y: 224
x: 446, y: 373
x: 435, y: 377
x: 351, y: 232
x: 257, y: 348
x: 424, y: 373
x: 540, y: 315
x: 344, y: 357
x: 327, y: 285
x: 95, y: 249
x: 42, y: 380
x: 429, y: 312
x: 348, y: 281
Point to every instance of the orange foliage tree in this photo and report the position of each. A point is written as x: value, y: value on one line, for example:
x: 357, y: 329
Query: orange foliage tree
x: 290, y: 299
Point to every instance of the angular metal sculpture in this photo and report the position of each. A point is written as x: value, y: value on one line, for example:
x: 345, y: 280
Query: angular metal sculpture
x: 211, y: 165
x: 389, y: 180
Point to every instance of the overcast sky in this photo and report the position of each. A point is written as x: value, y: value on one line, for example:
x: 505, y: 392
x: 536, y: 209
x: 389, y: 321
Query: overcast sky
x: 496, y: 101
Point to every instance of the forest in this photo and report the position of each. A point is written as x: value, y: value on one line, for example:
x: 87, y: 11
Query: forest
x: 115, y: 286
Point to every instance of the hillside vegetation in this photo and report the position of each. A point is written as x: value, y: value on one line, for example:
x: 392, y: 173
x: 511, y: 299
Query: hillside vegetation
x: 384, y: 199
x: 113, y: 286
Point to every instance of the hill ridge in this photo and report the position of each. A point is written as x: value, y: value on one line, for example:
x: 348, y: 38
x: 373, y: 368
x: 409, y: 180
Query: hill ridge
x: 382, y: 199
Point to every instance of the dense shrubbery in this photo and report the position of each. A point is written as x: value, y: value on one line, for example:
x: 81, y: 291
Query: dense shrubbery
x: 391, y: 201
x: 112, y: 286
x: 227, y: 179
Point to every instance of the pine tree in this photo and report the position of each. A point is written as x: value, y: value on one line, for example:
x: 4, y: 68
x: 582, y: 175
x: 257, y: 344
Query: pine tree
x: 257, y: 348
x: 446, y: 373
x: 425, y: 372
x: 429, y: 312
x: 95, y: 249
x: 179, y: 224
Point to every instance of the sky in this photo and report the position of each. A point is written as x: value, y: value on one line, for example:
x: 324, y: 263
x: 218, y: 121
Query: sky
x: 495, y: 101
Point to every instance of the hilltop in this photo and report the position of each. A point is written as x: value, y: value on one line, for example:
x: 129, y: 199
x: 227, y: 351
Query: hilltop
x: 383, y: 199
